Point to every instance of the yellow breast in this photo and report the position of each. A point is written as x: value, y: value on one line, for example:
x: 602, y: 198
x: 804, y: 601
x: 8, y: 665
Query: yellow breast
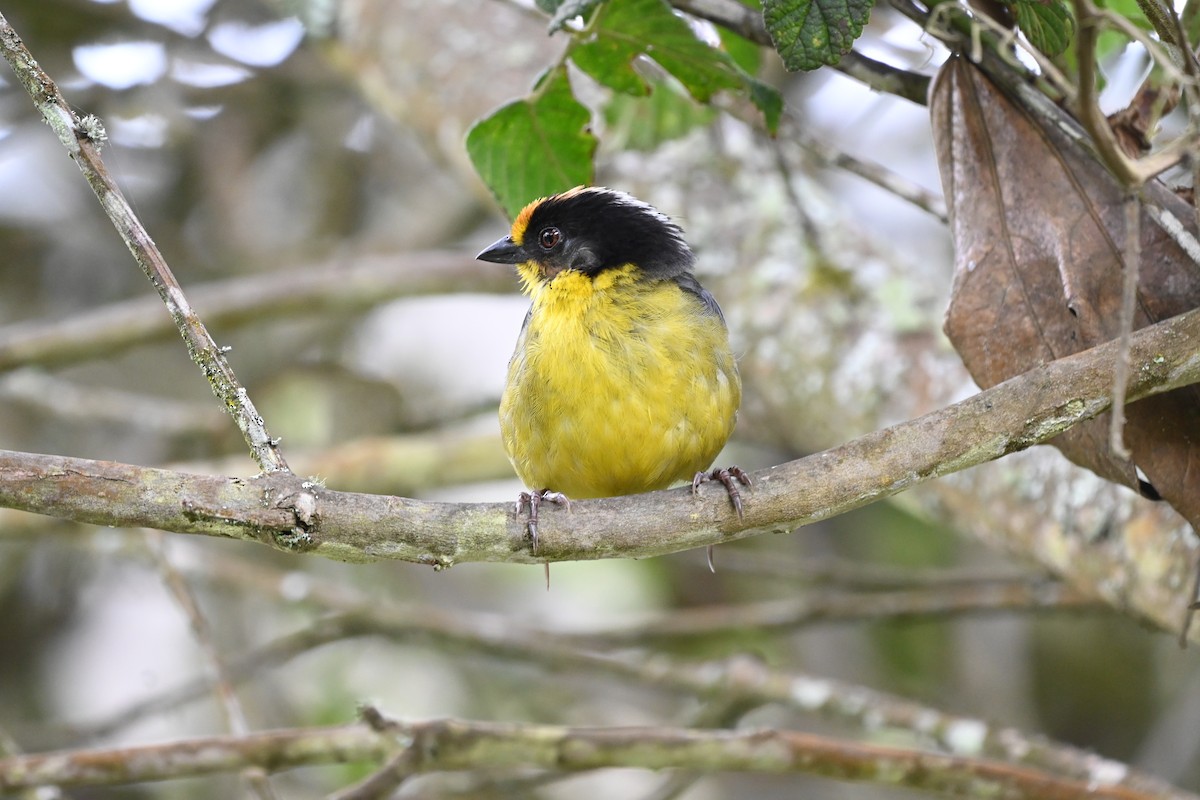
x: 617, y: 386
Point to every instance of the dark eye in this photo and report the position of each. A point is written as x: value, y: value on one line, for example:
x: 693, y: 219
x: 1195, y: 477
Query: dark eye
x: 549, y: 237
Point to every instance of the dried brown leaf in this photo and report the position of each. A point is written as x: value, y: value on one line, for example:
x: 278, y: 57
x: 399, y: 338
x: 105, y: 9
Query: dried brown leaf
x: 1038, y: 230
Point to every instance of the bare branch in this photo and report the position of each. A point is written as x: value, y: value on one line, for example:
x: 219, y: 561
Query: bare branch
x: 9, y: 747
x: 794, y: 129
x: 881, y: 77
x: 82, y: 138
x: 407, y: 464
x: 71, y: 401
x: 871, y: 171
x: 334, y: 288
x: 274, y: 750
x: 468, y: 745
x: 384, y: 781
x: 1088, y: 105
x: 292, y: 515
x: 747, y: 22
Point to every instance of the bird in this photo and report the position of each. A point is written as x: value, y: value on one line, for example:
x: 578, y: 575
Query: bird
x: 623, y: 379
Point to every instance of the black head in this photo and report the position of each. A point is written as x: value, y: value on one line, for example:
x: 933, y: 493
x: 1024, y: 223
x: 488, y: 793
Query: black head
x: 591, y: 230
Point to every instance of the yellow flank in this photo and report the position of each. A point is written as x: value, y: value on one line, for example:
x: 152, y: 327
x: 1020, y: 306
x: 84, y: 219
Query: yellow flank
x: 617, y: 386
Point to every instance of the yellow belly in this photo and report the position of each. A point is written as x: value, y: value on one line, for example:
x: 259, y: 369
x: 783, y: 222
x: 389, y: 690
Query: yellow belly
x: 617, y: 387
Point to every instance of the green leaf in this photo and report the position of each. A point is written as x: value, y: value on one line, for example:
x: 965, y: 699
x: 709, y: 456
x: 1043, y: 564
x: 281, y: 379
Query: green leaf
x: 643, y: 123
x: 626, y: 29
x: 814, y: 33
x: 1048, y: 26
x: 745, y: 53
x: 1191, y: 21
x: 768, y: 100
x: 568, y: 10
x: 534, y: 147
x: 610, y: 62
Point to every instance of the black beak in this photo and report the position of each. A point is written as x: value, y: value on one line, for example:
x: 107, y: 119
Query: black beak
x: 503, y: 251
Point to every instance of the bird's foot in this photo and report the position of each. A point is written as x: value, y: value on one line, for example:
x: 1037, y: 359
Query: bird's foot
x: 729, y: 477
x: 533, y: 501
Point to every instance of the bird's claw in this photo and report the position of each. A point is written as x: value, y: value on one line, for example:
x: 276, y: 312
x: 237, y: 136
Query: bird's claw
x: 729, y: 477
x: 533, y: 501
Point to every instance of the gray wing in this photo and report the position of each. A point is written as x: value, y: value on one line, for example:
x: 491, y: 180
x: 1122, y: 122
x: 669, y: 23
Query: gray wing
x: 521, y: 336
x: 687, y: 281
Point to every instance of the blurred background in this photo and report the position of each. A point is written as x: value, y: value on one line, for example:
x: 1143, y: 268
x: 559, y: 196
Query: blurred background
x: 301, y: 166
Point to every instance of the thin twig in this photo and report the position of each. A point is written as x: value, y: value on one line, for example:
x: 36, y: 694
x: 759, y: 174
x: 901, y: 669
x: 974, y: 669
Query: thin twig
x: 962, y: 28
x: 747, y: 22
x: 9, y: 747
x: 383, y: 782
x: 876, y: 173
x: 71, y: 401
x: 82, y: 139
x: 853, y: 574
x: 794, y: 129
x: 885, y: 78
x: 812, y: 234
x: 794, y: 613
x: 227, y: 699
x: 1153, y: 46
x: 876, y: 711
x: 719, y: 711
x: 744, y: 20
x: 273, y: 653
x: 1132, y: 253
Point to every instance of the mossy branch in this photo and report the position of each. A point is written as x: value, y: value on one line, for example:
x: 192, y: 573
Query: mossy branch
x: 288, y: 513
x: 440, y: 745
